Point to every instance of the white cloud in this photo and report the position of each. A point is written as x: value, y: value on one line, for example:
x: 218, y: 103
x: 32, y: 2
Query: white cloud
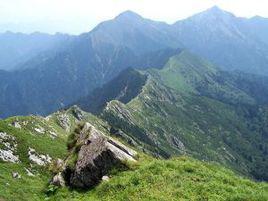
x: 81, y: 15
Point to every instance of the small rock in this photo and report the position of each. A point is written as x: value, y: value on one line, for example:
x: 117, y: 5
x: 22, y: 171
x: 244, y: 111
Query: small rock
x: 8, y: 156
x: 64, y: 121
x: 29, y: 173
x: 179, y: 144
x: 40, y: 130
x: 16, y: 175
x: 53, y: 135
x: 38, y: 159
x: 47, y: 118
x: 16, y: 124
x: 58, y: 180
x: 77, y: 112
x: 105, y: 178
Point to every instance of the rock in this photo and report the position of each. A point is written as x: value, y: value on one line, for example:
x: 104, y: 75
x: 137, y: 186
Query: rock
x: 8, y: 156
x: 9, y: 147
x: 40, y: 130
x: 52, y: 134
x: 77, y: 112
x: 105, y: 178
x: 5, y: 136
x: 178, y: 143
x: 119, y: 133
x: 16, y: 175
x: 97, y: 155
x: 64, y: 121
x: 29, y: 173
x: 58, y: 180
x: 47, y: 118
x: 41, y: 160
x: 16, y: 124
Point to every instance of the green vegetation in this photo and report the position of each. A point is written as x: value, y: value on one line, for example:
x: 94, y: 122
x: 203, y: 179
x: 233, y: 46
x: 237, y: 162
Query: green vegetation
x: 175, y: 179
x: 27, y: 136
x: 30, y: 187
x: 180, y: 178
x: 190, y: 107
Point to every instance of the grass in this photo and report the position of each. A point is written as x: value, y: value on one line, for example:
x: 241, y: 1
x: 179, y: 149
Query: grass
x: 26, y: 188
x: 150, y: 179
x: 214, y: 119
x: 29, y: 187
x: 175, y: 179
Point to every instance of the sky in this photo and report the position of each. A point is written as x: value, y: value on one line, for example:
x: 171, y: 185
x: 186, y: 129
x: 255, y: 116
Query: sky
x: 77, y: 16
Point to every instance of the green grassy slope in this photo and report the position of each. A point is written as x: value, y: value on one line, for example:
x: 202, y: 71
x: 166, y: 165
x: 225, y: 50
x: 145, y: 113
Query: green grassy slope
x: 174, y: 179
x: 34, y: 187
x: 29, y: 186
x: 180, y: 178
x: 190, y: 107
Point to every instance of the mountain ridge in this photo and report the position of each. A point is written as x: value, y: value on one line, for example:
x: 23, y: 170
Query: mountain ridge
x: 94, y: 58
x: 189, y: 106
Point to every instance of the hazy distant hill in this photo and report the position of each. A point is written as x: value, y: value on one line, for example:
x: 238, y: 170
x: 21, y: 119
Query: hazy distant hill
x: 17, y: 48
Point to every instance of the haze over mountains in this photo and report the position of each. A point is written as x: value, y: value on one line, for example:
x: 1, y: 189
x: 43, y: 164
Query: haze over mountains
x: 61, y: 69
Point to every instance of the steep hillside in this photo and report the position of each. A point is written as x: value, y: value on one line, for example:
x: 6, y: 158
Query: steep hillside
x: 190, y: 107
x: 39, y: 144
x: 29, y: 148
x: 124, y: 88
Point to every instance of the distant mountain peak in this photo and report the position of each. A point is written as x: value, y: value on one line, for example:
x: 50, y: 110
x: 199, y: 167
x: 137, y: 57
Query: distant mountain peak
x: 212, y: 14
x: 129, y: 15
x: 216, y: 11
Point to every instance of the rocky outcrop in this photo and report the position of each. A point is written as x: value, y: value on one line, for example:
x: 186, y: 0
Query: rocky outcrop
x: 178, y: 143
x: 40, y: 130
x: 96, y: 155
x: 77, y: 112
x: 8, y: 148
x: 64, y: 121
x: 38, y: 159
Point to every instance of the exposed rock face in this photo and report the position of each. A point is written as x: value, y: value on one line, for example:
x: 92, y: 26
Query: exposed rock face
x: 179, y: 144
x: 38, y: 159
x: 97, y: 156
x: 9, y: 146
x: 78, y: 113
x: 64, y: 121
x: 40, y: 130
x: 58, y: 180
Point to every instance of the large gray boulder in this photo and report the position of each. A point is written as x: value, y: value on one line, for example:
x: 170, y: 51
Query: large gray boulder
x: 97, y: 154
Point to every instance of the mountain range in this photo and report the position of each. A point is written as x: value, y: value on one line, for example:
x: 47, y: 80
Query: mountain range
x: 137, y: 110
x: 67, y: 68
